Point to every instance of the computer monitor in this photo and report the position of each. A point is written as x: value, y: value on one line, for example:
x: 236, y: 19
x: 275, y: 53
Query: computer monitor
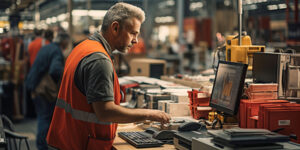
x: 228, y: 86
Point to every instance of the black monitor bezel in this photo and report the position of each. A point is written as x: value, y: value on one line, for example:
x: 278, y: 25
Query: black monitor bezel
x: 240, y: 90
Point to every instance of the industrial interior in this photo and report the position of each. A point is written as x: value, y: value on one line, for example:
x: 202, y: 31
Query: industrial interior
x: 149, y: 74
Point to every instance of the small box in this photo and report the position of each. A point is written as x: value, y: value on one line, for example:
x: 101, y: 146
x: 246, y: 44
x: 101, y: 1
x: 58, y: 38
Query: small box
x: 152, y: 100
x: 178, y: 109
x: 200, y: 112
x: 262, y: 95
x: 180, y: 97
x: 147, y: 67
x: 163, y: 104
x: 263, y: 87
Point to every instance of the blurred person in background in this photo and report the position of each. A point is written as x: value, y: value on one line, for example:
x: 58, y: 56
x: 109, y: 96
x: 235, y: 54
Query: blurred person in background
x: 45, y: 74
x: 87, y: 109
x: 37, y: 43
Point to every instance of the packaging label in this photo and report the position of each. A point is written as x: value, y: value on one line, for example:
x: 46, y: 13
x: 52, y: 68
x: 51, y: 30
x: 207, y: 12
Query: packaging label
x: 284, y: 122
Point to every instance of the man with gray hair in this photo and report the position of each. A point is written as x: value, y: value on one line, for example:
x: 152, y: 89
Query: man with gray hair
x: 47, y: 68
x: 87, y: 109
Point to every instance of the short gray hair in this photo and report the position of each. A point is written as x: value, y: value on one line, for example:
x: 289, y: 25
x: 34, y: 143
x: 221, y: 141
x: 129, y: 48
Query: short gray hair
x: 120, y: 12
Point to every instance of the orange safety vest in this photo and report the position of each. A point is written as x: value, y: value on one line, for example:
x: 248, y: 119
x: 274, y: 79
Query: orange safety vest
x: 75, y: 125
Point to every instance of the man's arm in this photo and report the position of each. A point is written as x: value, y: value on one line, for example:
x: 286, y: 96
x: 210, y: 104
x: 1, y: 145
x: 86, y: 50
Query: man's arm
x: 108, y: 111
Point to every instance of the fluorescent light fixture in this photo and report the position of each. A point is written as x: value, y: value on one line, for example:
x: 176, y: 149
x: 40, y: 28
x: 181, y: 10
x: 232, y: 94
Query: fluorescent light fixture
x: 97, y: 14
x: 3, y: 18
x: 166, y: 19
x: 272, y: 7
x: 53, y: 19
x: 31, y: 26
x: 79, y: 12
x: 282, y: 6
x: 61, y: 17
x: 252, y: 7
x: 64, y: 24
x: 48, y: 20
x: 248, y: 2
x: 170, y: 3
x: 196, y: 5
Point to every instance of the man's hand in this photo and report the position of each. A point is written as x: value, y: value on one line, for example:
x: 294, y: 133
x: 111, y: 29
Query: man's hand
x: 110, y: 112
x: 157, y: 115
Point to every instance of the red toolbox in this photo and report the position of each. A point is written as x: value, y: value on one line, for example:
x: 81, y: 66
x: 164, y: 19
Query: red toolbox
x: 246, y: 104
x: 124, y: 88
x: 285, y: 119
x: 198, y: 98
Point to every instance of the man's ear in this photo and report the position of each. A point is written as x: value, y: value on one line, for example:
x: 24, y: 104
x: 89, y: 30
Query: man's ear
x: 115, y: 27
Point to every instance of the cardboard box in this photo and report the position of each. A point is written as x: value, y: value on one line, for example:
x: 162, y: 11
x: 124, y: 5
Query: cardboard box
x: 178, y: 109
x: 152, y: 100
x: 263, y: 87
x: 180, y: 97
x: 262, y: 95
x: 147, y: 67
x: 162, y: 104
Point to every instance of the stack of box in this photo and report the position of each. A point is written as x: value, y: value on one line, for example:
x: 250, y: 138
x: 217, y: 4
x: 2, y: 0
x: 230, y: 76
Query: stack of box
x: 248, y: 112
x: 262, y: 91
x: 125, y: 89
x: 282, y: 117
x: 199, y: 104
x: 272, y: 115
x: 177, y: 109
x: 152, y: 100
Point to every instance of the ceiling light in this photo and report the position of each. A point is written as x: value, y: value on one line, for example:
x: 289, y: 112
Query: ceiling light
x: 282, y: 6
x: 272, y: 7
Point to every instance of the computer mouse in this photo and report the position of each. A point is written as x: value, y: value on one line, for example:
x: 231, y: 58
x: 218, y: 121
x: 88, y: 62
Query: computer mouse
x: 164, y: 134
x: 191, y: 126
x: 151, y: 130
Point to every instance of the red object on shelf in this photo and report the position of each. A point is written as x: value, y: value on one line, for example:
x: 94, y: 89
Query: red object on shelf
x: 246, y: 104
x: 123, y: 88
x: 252, y: 122
x: 200, y: 113
x: 287, y: 119
x: 262, y: 95
x: 263, y: 87
x: 262, y: 123
x: 198, y: 98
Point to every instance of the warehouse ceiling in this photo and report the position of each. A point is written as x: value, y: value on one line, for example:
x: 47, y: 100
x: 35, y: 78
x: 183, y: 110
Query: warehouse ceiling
x: 50, y: 8
x: 15, y: 5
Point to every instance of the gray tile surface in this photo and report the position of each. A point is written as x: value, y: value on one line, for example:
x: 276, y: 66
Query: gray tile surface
x: 27, y: 127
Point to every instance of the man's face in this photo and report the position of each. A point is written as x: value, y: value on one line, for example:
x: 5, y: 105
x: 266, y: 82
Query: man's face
x: 128, y: 35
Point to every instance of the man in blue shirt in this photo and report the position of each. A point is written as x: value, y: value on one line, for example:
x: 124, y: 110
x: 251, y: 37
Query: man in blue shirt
x: 49, y: 60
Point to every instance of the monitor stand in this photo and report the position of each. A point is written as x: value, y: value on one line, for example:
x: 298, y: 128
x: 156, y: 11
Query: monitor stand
x: 217, y: 120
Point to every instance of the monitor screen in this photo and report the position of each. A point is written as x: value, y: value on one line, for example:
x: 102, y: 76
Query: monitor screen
x: 228, y: 87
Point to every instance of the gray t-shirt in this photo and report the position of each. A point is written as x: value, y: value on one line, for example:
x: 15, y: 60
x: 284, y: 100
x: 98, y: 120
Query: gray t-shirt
x: 94, y: 75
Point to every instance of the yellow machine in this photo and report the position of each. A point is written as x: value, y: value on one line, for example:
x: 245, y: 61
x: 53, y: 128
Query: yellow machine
x: 241, y: 53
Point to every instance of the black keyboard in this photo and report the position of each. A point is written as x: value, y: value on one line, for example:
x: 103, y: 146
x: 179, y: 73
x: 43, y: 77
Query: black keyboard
x: 140, y: 139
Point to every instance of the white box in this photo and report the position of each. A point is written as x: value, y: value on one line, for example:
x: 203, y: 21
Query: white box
x: 162, y: 104
x: 180, y: 97
x: 178, y: 109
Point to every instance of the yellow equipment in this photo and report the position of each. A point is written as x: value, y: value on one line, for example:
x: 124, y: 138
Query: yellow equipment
x: 241, y: 53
